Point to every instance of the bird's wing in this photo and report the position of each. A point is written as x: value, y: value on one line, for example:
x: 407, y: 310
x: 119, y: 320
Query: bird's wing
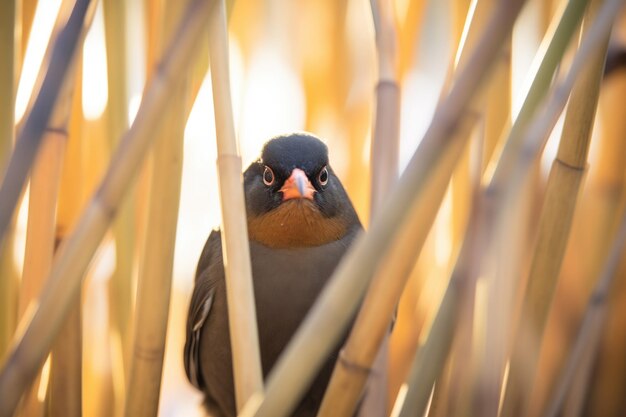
x: 200, y: 307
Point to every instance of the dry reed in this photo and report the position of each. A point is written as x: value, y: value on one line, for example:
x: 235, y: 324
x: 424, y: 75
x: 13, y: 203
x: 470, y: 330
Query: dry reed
x: 431, y: 357
x: 384, y: 151
x: 9, y: 42
x: 121, y: 283
x: 601, y: 202
x: 587, y: 339
x: 155, y: 277
x: 37, y: 335
x: 65, y: 394
x: 240, y: 296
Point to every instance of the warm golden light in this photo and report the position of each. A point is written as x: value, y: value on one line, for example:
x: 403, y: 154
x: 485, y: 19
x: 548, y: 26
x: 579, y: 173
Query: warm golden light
x: 45, y: 379
x: 269, y: 75
x: 43, y: 23
x: 95, y: 85
x: 468, y: 22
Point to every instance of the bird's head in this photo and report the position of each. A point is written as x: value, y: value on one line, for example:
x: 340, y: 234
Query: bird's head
x: 293, y: 197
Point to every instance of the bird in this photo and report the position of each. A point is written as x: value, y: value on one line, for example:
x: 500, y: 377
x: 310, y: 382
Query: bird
x: 300, y: 224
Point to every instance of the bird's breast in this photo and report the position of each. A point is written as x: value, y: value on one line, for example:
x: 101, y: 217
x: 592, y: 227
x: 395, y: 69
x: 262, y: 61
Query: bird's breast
x: 295, y: 223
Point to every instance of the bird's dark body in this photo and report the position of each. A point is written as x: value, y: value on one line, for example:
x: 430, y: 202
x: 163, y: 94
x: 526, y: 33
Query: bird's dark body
x: 287, y: 280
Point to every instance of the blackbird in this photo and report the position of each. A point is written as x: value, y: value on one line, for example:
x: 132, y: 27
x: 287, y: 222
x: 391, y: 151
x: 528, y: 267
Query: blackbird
x: 300, y: 224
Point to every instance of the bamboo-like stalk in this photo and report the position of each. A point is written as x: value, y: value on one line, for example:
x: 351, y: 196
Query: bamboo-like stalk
x: 8, y: 14
x: 8, y: 277
x: 385, y: 138
x: 29, y: 138
x: 350, y: 372
x: 337, y: 303
x: 588, y: 336
x: 562, y: 191
x: 121, y: 282
x: 65, y: 393
x: 155, y: 278
x: 40, y: 235
x: 75, y: 253
x: 383, y: 170
x: 451, y: 395
x: 64, y: 396
x: 605, y: 185
x: 431, y: 357
x: 240, y: 295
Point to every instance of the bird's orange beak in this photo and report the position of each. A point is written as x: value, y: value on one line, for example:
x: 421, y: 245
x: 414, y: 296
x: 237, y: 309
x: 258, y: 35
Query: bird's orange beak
x: 297, y: 186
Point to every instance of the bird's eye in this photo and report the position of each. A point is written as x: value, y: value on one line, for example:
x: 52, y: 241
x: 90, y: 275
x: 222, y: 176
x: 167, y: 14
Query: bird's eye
x: 268, y: 176
x: 322, y: 177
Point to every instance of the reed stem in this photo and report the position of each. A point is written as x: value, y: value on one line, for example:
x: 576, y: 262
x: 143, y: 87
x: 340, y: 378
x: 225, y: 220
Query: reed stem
x: 383, y: 171
x: 121, y: 283
x: 155, y: 277
x: 240, y: 295
x: 65, y: 394
x: 588, y: 336
x: 8, y: 276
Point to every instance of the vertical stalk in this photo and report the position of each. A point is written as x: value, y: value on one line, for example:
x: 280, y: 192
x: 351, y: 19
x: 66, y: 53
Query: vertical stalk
x: 121, y: 283
x: 586, y: 342
x: 155, y: 277
x: 64, y: 397
x: 605, y: 184
x: 383, y: 170
x: 9, y: 42
x: 240, y: 296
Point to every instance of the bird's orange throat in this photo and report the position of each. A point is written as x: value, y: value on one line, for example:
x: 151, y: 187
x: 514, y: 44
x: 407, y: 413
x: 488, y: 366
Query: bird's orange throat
x: 295, y: 223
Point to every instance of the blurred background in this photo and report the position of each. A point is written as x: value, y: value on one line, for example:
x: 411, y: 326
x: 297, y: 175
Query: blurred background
x: 311, y: 65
